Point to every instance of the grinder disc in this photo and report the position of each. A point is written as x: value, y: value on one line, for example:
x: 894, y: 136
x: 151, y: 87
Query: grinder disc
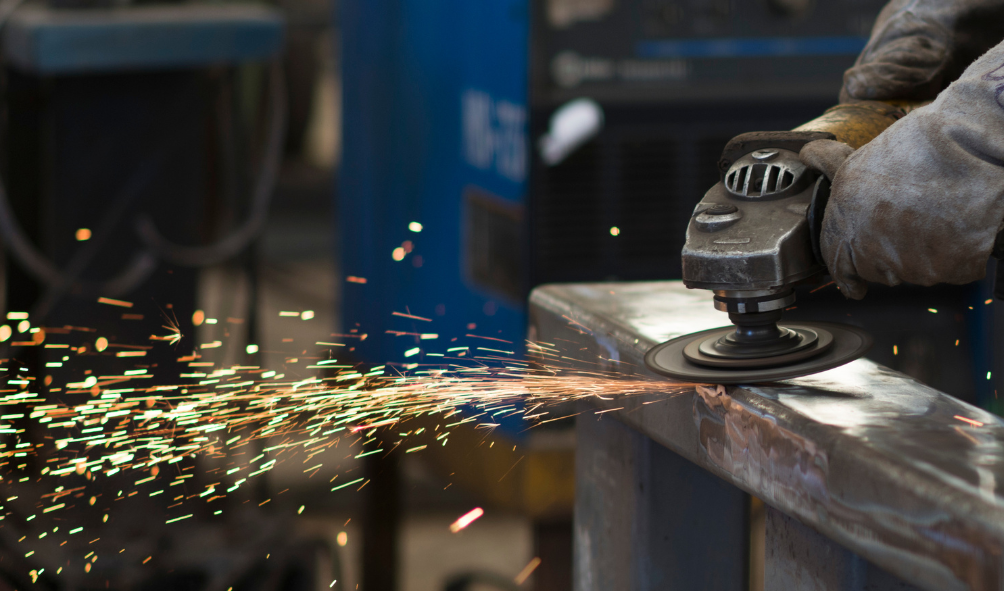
x: 841, y: 344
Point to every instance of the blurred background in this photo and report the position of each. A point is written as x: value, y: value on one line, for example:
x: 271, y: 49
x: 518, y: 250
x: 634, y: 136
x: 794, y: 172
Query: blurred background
x: 340, y: 160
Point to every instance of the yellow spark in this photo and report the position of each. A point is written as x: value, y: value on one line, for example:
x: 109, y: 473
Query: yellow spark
x: 415, y: 227
x: 130, y: 354
x: 82, y: 234
x: 615, y: 231
x: 527, y: 571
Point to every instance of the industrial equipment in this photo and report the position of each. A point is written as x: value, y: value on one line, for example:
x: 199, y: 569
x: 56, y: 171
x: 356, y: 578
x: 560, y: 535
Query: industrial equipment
x: 751, y: 240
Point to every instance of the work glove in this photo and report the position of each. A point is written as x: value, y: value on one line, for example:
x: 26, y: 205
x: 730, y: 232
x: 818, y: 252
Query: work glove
x: 923, y: 202
x: 917, y: 47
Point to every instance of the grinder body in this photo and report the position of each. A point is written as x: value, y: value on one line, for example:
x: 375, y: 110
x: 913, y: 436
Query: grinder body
x: 753, y: 236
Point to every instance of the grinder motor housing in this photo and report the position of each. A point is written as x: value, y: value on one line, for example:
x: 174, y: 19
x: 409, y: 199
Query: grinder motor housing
x: 756, y: 232
x: 751, y: 237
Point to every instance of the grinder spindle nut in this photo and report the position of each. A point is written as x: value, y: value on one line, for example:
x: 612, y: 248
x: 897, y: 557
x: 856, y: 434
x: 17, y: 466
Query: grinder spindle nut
x: 754, y: 305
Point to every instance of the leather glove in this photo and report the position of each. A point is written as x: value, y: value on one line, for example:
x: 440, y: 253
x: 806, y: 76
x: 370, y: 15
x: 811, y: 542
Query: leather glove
x: 917, y: 47
x: 923, y: 202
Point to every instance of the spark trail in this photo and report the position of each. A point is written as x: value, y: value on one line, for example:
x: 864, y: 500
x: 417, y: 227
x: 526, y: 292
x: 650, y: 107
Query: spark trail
x: 59, y: 441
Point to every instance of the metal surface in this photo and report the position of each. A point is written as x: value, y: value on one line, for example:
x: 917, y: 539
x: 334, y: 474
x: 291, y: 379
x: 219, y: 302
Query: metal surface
x: 630, y: 492
x: 796, y: 557
x: 903, y: 475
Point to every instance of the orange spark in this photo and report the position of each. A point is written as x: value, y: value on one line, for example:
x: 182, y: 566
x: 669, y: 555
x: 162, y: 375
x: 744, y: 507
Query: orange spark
x: 972, y: 422
x: 466, y: 519
x: 413, y: 317
x: 527, y: 571
x: 112, y: 302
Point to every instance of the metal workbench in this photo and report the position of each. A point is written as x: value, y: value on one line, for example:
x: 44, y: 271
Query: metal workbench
x: 871, y: 479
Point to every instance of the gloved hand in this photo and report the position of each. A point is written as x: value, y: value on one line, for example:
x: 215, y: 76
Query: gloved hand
x: 917, y: 47
x: 922, y: 202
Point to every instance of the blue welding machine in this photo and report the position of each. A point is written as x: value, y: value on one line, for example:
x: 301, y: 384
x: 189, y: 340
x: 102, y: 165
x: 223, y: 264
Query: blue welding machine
x: 435, y: 103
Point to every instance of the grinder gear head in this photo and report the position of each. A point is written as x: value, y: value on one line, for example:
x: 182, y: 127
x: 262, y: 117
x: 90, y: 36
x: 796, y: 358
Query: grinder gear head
x: 752, y: 237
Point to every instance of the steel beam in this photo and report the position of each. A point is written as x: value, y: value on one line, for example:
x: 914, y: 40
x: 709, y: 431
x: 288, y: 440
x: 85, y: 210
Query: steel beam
x: 646, y: 519
x: 900, y: 474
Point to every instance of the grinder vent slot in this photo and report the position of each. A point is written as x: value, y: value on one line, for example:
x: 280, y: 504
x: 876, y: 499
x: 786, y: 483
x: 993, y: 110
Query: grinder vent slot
x: 759, y: 180
x: 753, y: 179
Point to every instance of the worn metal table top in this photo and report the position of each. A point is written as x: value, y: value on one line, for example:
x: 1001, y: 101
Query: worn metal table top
x: 902, y: 474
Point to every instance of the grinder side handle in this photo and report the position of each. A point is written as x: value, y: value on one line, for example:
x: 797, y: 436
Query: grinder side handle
x: 854, y: 124
x: 858, y: 123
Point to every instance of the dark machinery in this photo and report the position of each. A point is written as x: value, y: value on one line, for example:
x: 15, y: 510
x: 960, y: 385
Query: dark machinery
x: 751, y: 239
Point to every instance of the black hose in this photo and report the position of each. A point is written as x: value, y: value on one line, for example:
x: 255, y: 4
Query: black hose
x: 143, y: 264
x: 232, y: 245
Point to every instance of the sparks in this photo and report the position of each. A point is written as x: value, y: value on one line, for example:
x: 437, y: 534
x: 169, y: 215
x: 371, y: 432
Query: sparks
x: 972, y: 422
x: 111, y: 302
x: 527, y: 571
x: 123, y: 422
x: 466, y: 519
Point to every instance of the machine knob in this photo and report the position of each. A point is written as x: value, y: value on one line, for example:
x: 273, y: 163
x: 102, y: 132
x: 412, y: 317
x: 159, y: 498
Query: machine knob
x: 721, y: 209
x: 764, y: 155
x: 717, y: 217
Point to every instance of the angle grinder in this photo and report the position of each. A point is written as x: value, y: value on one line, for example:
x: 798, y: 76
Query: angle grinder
x: 751, y: 239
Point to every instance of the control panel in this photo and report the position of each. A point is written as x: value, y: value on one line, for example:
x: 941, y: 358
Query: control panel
x: 657, y: 50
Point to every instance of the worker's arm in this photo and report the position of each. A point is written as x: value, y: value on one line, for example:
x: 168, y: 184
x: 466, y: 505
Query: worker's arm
x: 917, y: 47
x: 924, y: 201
